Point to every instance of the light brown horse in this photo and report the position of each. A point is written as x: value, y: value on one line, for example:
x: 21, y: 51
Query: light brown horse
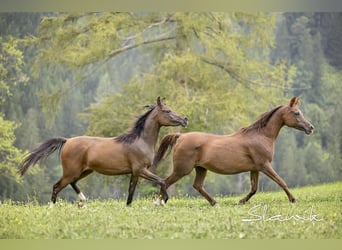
x: 130, y: 153
x: 250, y: 149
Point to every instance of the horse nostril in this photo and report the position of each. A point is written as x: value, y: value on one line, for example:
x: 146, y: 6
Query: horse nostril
x: 312, y: 127
x: 186, y: 121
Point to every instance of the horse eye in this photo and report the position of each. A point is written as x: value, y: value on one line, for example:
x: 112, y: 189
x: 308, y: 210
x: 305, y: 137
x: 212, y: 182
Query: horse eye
x: 297, y: 113
x: 167, y: 111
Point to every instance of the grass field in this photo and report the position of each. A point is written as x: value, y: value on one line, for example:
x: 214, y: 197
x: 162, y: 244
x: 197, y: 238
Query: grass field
x: 316, y: 215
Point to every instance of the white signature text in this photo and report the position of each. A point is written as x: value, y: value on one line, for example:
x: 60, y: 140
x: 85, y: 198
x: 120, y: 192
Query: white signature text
x: 261, y: 213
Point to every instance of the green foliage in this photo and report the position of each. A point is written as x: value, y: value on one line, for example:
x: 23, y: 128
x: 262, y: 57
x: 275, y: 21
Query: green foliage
x: 9, y: 155
x: 193, y: 50
x: 77, y: 37
x: 11, y: 75
x: 309, y: 160
x: 208, y: 74
x: 22, y: 121
x: 182, y: 218
x: 11, y: 62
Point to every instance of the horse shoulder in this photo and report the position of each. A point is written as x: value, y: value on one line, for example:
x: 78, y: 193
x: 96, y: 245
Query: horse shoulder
x: 261, y: 149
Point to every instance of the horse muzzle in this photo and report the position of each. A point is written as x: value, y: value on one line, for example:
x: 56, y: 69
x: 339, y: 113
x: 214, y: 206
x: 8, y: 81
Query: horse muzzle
x: 184, y: 122
x: 308, y: 129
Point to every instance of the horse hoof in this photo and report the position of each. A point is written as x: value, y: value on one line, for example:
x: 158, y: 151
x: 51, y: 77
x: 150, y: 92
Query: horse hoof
x: 162, y: 203
x: 159, y: 202
x: 80, y: 204
x: 242, y: 202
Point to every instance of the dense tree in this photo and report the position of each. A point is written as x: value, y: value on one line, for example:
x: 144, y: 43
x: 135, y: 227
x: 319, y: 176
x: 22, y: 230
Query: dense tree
x: 11, y: 75
x: 301, y: 39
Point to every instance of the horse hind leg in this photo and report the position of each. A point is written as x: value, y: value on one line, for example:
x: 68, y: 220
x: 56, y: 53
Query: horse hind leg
x: 254, y: 186
x: 62, y: 183
x: 198, y: 185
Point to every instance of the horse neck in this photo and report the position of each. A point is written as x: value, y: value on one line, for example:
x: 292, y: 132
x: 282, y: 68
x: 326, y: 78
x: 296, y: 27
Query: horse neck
x: 151, y: 131
x: 271, y: 130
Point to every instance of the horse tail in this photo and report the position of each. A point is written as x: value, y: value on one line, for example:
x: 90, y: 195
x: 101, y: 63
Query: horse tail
x: 166, y: 144
x: 40, y: 153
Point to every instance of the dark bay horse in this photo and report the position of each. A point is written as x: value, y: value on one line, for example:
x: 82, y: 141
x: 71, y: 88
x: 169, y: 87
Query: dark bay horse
x: 250, y: 149
x: 129, y: 153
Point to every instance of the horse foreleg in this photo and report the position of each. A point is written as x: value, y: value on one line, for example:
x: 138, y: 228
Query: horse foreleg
x: 269, y: 171
x: 146, y: 174
x: 254, y: 186
x: 132, y: 184
x: 198, y: 185
x: 174, y: 177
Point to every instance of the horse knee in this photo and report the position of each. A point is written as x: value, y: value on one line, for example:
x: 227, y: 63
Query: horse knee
x: 197, y: 186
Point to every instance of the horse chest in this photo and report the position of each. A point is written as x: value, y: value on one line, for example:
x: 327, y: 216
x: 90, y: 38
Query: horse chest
x: 141, y: 153
x: 261, y: 152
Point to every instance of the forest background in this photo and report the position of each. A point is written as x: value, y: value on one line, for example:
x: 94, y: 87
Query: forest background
x: 69, y: 74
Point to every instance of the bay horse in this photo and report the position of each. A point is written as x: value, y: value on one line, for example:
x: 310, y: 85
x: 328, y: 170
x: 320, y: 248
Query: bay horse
x: 250, y: 149
x: 129, y: 153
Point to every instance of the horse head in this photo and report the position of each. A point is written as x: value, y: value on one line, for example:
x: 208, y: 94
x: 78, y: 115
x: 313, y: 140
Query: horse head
x: 294, y: 118
x: 167, y: 117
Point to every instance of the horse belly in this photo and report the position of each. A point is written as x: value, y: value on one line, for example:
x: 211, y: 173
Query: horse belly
x: 227, y: 161
x: 110, y: 169
x: 108, y: 161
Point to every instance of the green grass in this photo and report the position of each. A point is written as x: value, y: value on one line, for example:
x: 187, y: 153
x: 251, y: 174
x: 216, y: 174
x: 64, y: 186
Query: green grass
x: 189, y: 218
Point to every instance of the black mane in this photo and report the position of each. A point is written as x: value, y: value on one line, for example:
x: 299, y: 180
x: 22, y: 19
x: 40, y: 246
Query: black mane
x: 135, y: 132
x: 261, y: 122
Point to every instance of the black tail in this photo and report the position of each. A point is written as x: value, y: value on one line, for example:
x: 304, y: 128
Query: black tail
x: 41, y: 153
x: 166, y: 143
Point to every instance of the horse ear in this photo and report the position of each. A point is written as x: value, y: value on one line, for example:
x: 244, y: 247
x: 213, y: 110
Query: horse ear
x: 294, y: 101
x: 149, y: 106
x: 158, y: 102
x: 163, y: 101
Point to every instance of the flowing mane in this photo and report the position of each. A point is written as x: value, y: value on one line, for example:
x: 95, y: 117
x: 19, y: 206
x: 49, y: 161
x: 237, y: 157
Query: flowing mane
x: 131, y: 135
x: 261, y: 122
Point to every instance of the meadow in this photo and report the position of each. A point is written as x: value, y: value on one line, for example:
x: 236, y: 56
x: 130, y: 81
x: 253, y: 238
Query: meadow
x: 268, y: 215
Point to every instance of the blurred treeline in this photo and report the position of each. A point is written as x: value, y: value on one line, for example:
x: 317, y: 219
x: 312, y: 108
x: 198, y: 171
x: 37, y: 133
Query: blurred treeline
x: 64, y: 74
